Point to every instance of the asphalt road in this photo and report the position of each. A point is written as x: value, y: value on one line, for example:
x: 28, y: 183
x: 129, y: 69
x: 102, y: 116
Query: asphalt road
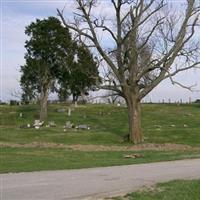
x: 93, y: 183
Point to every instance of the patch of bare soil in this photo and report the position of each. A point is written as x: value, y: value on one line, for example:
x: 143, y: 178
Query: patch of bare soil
x: 90, y: 147
x: 139, y: 147
x: 34, y: 145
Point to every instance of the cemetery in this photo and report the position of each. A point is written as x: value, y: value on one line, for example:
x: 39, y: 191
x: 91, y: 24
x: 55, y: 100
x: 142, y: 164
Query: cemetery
x: 97, y: 132
x: 100, y: 99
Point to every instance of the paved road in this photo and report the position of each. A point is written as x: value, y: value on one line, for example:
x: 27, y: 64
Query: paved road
x: 93, y: 183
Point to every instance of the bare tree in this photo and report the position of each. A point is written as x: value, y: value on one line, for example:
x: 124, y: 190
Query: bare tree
x: 149, y: 42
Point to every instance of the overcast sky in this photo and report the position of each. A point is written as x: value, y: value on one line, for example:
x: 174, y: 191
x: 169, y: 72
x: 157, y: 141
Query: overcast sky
x: 16, y: 15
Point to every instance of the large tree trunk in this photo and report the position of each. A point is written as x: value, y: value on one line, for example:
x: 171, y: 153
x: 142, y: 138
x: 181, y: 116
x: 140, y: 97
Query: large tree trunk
x: 134, y: 115
x: 43, y: 104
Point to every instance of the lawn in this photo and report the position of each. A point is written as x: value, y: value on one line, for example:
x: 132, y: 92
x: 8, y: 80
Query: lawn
x: 33, y: 159
x: 162, y: 123
x: 173, y: 190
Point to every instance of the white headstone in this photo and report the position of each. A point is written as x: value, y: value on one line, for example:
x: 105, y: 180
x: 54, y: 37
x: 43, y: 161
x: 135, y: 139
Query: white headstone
x: 75, y: 104
x: 69, y: 112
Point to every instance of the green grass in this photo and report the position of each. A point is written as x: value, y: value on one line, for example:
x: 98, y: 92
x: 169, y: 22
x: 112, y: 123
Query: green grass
x: 174, y: 190
x: 107, y: 128
x: 32, y: 159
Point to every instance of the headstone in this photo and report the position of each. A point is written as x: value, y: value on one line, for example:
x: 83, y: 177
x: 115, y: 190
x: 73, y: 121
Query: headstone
x: 83, y: 127
x: 12, y: 112
x: 68, y: 125
x: 52, y: 124
x: 61, y: 110
x: 38, y: 123
x: 20, y: 115
x: 158, y: 126
x: 69, y: 112
x: 75, y: 104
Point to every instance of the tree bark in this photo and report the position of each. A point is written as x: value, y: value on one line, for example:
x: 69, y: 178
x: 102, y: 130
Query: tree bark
x: 43, y: 104
x: 134, y: 115
x: 74, y: 98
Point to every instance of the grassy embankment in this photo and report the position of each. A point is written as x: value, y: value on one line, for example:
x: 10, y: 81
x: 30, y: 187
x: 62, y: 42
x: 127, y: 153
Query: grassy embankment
x: 52, y: 148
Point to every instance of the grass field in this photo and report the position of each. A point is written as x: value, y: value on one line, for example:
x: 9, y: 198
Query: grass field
x: 174, y: 190
x: 52, y: 148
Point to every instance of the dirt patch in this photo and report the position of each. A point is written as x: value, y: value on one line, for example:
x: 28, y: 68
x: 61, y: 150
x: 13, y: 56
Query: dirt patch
x: 140, y: 147
x: 90, y: 147
x: 34, y: 145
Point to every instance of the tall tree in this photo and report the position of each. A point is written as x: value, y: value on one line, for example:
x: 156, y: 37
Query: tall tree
x: 28, y: 83
x: 139, y: 28
x: 82, y: 76
x: 49, y: 49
